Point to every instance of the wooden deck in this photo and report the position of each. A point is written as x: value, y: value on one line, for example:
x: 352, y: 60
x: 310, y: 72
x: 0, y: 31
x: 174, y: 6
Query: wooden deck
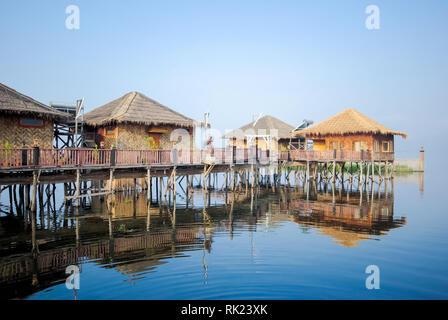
x: 59, y: 159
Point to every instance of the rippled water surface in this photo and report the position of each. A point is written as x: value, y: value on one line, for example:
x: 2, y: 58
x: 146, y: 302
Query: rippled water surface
x: 276, y: 244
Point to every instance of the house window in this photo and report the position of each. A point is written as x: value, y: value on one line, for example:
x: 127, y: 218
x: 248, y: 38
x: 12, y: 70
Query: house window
x: 386, y: 146
x: 376, y: 146
x: 310, y: 145
x: 335, y: 145
x: 31, y: 123
x: 356, y: 146
x: 109, y: 131
x: 363, y: 146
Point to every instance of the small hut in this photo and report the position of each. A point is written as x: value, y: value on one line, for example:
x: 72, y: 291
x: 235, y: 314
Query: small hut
x: 24, y: 121
x: 137, y: 122
x: 350, y: 130
x: 269, y: 132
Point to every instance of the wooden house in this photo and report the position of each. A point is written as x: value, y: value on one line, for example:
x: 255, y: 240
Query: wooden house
x: 350, y: 130
x: 268, y: 132
x: 25, y: 122
x: 136, y: 122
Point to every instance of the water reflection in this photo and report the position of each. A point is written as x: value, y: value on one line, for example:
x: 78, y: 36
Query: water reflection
x: 344, y: 218
x: 134, y: 236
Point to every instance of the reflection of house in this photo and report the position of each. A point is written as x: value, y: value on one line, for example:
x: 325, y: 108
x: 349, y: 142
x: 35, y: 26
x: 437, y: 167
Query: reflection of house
x: 135, y: 121
x: 147, y: 251
x: 124, y: 206
x: 267, y: 131
x: 352, y: 131
x: 23, y: 119
x: 347, y: 222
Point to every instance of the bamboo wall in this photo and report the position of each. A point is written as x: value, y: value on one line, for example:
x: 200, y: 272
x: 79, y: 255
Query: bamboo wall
x: 17, y: 136
x: 134, y: 137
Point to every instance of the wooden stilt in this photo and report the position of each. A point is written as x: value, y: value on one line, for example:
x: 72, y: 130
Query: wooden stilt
x: 78, y: 181
x: 333, y: 178
x: 148, y: 177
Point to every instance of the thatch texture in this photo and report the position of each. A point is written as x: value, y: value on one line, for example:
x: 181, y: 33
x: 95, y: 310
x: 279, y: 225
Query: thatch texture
x: 136, y: 108
x: 267, y: 123
x: 15, y: 103
x: 348, y: 122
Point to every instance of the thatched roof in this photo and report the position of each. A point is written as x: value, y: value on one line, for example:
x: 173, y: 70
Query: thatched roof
x: 349, y: 121
x: 266, y: 123
x: 136, y: 108
x: 13, y: 102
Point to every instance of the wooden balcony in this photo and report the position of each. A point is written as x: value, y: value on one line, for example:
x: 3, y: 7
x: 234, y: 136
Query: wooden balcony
x: 85, y: 157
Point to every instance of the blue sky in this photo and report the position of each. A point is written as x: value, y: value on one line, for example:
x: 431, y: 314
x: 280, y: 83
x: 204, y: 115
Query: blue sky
x: 290, y: 59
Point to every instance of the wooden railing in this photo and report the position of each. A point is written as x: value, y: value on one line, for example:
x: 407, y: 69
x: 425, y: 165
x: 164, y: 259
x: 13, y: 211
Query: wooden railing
x: 84, y: 157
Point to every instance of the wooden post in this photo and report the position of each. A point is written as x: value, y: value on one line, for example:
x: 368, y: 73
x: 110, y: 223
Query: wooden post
x: 422, y: 159
x: 252, y: 177
x: 111, y: 180
x: 307, y: 171
x: 78, y: 181
x: 205, y: 177
x: 33, y: 213
x: 232, y: 178
x: 379, y: 171
x: 393, y: 169
x: 160, y: 193
x: 174, y: 186
x: 334, y: 172
x: 148, y: 177
x: 386, y: 170
x: 368, y: 173
x: 361, y: 174
x: 27, y: 197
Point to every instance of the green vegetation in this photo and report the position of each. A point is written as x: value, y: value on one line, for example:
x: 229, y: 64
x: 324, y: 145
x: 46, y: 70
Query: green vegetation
x: 399, y: 168
x: 8, y: 146
x: 96, y: 152
x: 151, y: 143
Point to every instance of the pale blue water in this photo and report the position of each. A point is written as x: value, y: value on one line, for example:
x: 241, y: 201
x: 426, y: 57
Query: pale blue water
x: 286, y: 247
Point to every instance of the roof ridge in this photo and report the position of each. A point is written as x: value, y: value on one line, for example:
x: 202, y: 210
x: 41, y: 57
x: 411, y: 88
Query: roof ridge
x: 360, y: 118
x: 10, y: 92
x: 123, y: 108
x: 348, y: 121
x: 135, y: 107
x: 162, y: 105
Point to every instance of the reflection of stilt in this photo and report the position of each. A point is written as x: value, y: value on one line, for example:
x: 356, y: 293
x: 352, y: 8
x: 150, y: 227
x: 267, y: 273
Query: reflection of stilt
x: 231, y: 217
x: 35, y: 248
x: 251, y: 200
x: 205, y: 216
x: 148, y: 216
x: 78, y: 186
x: 109, y: 218
x: 421, y: 178
x: 204, y: 264
x: 174, y: 198
x: 77, y: 225
x: 385, y: 189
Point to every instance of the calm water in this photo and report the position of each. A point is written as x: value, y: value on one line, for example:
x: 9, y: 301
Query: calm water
x: 274, y: 245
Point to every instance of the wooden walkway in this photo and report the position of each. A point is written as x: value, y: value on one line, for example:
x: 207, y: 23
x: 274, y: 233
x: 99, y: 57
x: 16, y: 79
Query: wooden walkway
x: 62, y: 159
